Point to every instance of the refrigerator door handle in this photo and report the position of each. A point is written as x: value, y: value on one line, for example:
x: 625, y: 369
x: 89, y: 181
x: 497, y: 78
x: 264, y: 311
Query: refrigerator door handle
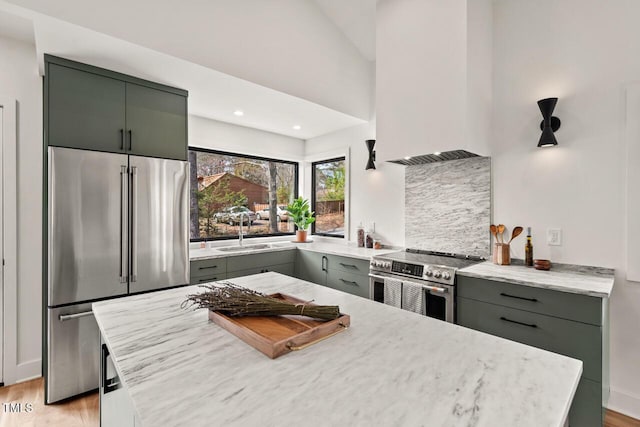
x: 123, y: 224
x: 134, y: 219
x: 65, y: 317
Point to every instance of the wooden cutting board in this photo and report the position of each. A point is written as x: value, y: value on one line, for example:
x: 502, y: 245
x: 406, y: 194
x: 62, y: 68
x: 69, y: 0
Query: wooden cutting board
x: 278, y: 335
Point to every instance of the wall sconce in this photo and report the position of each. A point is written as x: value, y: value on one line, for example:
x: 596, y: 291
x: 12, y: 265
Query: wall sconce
x: 549, y: 124
x: 372, y: 154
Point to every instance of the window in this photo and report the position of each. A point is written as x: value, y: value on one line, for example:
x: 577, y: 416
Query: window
x: 229, y: 189
x: 327, y: 199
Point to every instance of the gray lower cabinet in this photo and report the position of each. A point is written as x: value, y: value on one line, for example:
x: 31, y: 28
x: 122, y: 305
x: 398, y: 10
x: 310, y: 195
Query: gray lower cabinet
x: 286, y: 269
x: 345, y: 274
x: 116, y: 408
x: 208, y: 270
x: 310, y: 266
x: 569, y: 324
x: 355, y: 284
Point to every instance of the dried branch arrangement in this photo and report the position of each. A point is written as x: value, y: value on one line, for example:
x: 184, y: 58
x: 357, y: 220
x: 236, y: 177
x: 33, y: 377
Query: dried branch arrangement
x: 233, y: 300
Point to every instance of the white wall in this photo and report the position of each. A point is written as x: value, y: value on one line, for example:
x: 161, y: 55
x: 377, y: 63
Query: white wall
x: 207, y: 133
x: 585, y: 52
x: 287, y: 45
x: 375, y: 195
x: 19, y: 80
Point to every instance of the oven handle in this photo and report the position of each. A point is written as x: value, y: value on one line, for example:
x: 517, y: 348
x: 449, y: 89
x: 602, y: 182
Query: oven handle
x: 431, y: 288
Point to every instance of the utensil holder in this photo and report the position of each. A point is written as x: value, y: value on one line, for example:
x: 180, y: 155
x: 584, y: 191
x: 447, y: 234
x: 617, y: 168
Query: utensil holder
x: 501, y: 254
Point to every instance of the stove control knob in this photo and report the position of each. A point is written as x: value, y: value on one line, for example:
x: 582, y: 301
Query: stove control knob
x: 437, y: 274
x: 428, y: 273
x: 446, y: 275
x: 388, y: 265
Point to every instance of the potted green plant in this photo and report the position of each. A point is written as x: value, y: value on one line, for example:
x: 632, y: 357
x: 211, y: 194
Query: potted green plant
x: 302, y: 217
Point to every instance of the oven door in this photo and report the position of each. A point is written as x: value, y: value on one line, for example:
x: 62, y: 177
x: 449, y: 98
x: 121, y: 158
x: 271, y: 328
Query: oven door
x: 439, y: 300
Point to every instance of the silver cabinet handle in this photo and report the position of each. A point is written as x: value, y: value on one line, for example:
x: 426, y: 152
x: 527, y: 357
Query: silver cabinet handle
x: 65, y: 317
x: 349, y: 282
x: 348, y: 265
x: 123, y: 224
x: 134, y: 220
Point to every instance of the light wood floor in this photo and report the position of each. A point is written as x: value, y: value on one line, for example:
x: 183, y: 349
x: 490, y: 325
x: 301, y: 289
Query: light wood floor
x: 83, y: 411
x: 79, y: 412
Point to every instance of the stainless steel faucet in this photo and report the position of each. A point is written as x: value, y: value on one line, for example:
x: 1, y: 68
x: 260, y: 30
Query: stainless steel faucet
x: 240, y: 232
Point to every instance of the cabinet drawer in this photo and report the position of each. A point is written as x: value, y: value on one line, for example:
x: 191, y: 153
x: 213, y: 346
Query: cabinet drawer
x: 581, y: 308
x: 348, y: 265
x: 246, y: 262
x: 574, y: 339
x: 208, y: 267
x: 355, y: 284
x: 210, y: 278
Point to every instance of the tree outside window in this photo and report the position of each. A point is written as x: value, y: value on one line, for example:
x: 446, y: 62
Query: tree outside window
x: 328, y: 199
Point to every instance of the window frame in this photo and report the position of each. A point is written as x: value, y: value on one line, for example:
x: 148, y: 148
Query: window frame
x: 296, y: 180
x: 313, y: 196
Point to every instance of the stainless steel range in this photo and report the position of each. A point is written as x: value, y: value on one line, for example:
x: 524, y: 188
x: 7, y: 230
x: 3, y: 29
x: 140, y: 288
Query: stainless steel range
x: 419, y: 281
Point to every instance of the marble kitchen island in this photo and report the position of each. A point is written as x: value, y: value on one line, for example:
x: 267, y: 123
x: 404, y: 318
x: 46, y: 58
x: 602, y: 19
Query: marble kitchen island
x: 391, y: 367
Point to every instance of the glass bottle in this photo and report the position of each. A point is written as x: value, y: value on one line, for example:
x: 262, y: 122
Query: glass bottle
x: 528, y: 250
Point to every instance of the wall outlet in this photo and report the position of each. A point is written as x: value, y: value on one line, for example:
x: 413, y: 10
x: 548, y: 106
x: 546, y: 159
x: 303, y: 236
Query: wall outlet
x: 554, y: 236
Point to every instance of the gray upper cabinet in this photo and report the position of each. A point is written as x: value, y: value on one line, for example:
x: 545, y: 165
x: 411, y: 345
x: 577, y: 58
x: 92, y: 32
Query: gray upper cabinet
x: 96, y: 109
x: 156, y: 123
x: 85, y: 110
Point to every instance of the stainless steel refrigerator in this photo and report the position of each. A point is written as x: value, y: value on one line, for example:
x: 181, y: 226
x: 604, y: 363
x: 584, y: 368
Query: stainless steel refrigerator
x: 117, y: 224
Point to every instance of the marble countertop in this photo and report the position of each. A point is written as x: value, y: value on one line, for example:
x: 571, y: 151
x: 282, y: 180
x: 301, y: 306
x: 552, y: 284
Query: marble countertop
x: 323, y: 247
x: 577, y: 279
x: 391, y: 367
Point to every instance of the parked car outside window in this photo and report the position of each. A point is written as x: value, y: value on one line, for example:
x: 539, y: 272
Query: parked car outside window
x: 231, y: 215
x: 282, y: 215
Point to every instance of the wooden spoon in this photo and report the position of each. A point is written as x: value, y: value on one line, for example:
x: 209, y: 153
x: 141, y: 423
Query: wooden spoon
x: 494, y: 230
x: 501, y: 228
x: 515, y: 233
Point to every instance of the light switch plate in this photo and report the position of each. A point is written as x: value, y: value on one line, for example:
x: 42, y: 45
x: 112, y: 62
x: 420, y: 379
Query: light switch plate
x: 554, y: 236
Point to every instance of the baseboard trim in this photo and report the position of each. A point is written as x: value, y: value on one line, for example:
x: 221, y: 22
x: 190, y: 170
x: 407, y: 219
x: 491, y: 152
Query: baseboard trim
x: 27, y: 371
x: 624, y: 403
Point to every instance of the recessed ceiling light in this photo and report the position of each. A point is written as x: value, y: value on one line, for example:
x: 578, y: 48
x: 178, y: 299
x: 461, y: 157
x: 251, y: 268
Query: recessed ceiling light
x: 437, y: 153
x: 297, y: 127
x: 408, y: 158
x: 239, y: 113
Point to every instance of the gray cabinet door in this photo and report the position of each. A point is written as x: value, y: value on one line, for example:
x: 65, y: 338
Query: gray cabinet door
x: 348, y: 265
x: 586, y: 409
x: 355, y: 284
x: 85, y: 110
x: 574, y: 339
x: 156, y: 123
x: 309, y: 267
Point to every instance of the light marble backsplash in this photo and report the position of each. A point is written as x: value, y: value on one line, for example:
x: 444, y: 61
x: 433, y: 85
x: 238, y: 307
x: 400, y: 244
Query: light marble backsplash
x: 448, y: 206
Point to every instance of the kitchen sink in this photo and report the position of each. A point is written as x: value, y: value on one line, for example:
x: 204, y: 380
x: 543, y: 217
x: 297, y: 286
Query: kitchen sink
x: 247, y: 248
